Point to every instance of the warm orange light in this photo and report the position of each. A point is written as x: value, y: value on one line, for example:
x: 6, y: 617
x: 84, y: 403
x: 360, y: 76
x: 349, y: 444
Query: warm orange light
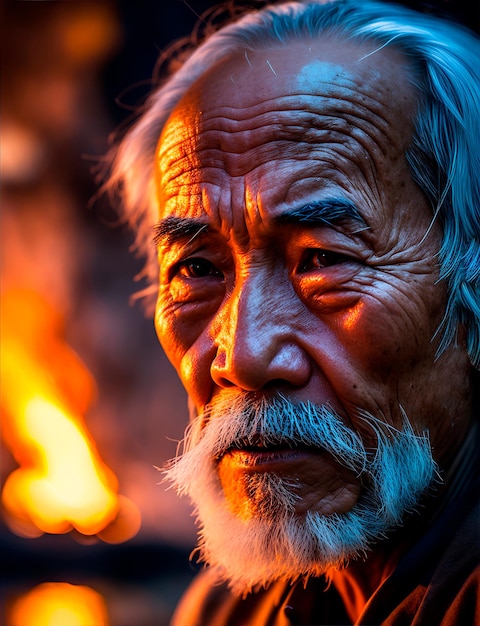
x: 352, y: 316
x: 59, y: 604
x: 68, y: 486
x: 62, y: 483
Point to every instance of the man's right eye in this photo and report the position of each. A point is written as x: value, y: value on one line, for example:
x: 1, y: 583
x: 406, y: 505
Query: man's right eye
x: 196, y: 268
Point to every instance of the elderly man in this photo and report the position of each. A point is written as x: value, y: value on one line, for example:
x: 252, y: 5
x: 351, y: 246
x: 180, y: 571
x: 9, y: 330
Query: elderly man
x: 310, y: 175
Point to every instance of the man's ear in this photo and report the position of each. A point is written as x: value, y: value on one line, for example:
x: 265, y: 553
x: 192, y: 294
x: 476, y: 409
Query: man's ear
x: 192, y: 409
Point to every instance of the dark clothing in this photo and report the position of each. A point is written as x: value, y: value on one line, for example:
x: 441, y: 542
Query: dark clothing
x: 436, y: 583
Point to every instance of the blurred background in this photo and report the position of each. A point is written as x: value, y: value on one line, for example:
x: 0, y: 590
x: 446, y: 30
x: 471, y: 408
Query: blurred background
x: 89, y: 405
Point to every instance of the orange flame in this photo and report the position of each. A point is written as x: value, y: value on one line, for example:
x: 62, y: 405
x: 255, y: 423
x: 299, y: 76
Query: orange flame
x: 62, y: 483
x: 59, y: 604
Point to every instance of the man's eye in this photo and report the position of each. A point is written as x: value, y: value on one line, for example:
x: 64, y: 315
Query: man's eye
x: 197, y: 268
x: 317, y: 258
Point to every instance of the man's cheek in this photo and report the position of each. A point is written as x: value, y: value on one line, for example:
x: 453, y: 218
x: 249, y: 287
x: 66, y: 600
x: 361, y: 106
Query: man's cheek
x: 176, y: 328
x: 181, y: 350
x: 384, y: 332
x: 193, y: 369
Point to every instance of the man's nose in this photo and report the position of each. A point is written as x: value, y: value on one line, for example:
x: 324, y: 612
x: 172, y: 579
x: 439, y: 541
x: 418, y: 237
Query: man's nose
x: 257, y: 338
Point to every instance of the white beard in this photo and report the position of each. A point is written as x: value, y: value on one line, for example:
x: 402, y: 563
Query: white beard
x: 277, y: 543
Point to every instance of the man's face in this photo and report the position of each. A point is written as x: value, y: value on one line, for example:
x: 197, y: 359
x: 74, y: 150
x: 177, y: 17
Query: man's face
x: 298, y: 257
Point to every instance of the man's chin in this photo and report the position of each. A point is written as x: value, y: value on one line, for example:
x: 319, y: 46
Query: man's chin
x: 299, y: 480
x: 277, y: 544
x: 265, y: 539
x: 254, y: 550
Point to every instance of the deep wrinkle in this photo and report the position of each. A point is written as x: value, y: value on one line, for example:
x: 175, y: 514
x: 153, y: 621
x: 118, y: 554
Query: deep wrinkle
x: 269, y: 134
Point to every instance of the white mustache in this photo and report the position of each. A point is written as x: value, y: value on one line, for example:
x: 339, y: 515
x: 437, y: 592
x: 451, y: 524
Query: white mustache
x: 241, y: 421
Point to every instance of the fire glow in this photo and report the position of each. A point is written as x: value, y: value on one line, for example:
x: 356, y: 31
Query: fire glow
x: 59, y: 604
x: 61, y: 482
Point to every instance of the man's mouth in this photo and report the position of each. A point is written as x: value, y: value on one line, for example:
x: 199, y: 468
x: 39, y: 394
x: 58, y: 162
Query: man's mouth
x: 310, y: 474
x: 256, y: 458
x: 255, y: 454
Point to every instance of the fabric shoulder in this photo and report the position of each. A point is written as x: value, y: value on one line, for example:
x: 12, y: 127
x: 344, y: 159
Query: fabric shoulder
x: 208, y: 602
x: 453, y: 595
x: 438, y: 582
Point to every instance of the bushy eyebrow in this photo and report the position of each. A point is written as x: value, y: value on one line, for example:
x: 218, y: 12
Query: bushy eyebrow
x: 328, y: 212
x: 331, y: 212
x: 173, y: 230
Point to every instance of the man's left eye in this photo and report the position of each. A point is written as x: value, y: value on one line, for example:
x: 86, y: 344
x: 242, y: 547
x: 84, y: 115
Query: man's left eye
x: 316, y: 258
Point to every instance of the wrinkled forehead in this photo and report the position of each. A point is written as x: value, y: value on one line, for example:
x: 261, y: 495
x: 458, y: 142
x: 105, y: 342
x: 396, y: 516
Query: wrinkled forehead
x: 300, y: 95
x: 322, y: 67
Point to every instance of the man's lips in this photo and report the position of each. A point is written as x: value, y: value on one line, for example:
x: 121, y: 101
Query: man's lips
x: 265, y: 458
